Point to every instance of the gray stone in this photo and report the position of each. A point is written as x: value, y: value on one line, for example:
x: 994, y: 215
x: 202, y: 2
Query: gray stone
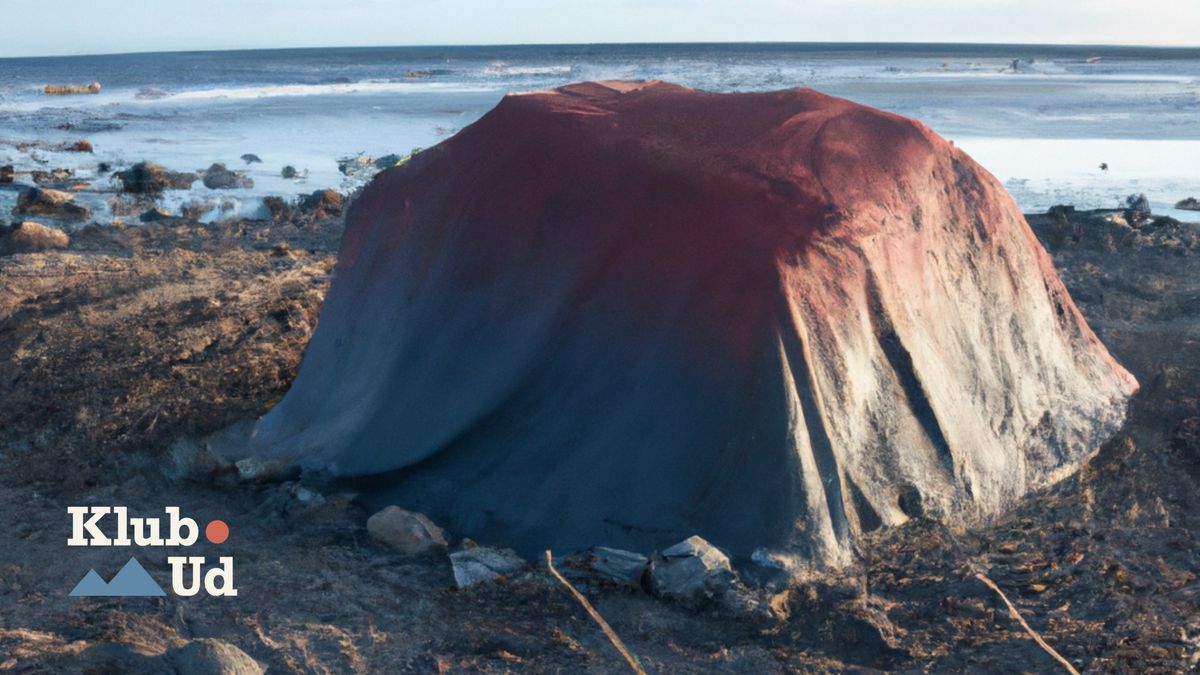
x: 308, y: 497
x: 1189, y: 204
x: 405, y: 531
x: 217, y: 177
x: 252, y: 469
x: 692, y: 570
x: 626, y: 567
x: 484, y: 563
x: 213, y: 657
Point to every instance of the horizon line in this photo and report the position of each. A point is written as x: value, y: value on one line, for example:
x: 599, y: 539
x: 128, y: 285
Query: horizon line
x: 894, y: 43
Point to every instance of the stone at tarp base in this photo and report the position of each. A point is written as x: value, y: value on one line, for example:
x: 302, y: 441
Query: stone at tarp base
x: 625, y: 567
x: 484, y: 563
x: 408, y: 532
x: 691, y: 571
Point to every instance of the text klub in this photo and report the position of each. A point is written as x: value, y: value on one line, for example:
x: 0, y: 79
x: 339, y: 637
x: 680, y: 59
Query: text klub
x: 112, y: 526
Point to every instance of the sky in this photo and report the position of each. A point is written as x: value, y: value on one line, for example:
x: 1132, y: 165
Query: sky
x: 94, y: 27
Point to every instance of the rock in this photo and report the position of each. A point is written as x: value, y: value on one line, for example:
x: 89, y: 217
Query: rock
x: 217, y: 177
x: 352, y: 166
x: 692, y: 571
x: 308, y: 497
x: 67, y: 89
x: 1138, y: 202
x: 625, y: 567
x: 251, y: 158
x: 484, y: 563
x: 30, y: 237
x: 290, y: 499
x: 151, y: 178
x: 278, y: 208
x: 207, y: 656
x: 1137, y: 210
x: 288, y: 172
x: 1189, y: 204
x: 51, y: 176
x: 52, y: 204
x: 7, y: 173
x: 322, y: 204
x: 255, y: 469
x: 389, y: 161
x: 405, y: 531
x: 154, y: 215
x: 82, y: 145
x: 758, y: 314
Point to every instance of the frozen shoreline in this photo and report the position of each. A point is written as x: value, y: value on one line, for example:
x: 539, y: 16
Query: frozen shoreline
x: 1044, y: 172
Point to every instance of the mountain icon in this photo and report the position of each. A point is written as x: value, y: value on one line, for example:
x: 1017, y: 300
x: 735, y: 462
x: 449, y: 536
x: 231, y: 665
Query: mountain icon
x: 132, y: 580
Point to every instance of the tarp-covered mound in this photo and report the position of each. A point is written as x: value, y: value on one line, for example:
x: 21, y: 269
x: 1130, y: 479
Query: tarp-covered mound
x: 626, y: 313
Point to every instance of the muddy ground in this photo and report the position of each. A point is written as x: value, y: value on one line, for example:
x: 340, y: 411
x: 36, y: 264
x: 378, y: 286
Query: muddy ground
x: 132, y: 338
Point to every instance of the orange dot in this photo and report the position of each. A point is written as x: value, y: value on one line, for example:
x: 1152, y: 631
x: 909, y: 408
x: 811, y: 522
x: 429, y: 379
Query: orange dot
x: 217, y: 532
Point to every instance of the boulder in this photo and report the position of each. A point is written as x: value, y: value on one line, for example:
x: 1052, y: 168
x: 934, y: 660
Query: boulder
x: 52, y: 204
x: 151, y: 178
x: 780, y: 319
x: 207, y: 656
x: 484, y: 563
x: 251, y: 158
x: 30, y: 237
x: 7, y: 173
x: 1189, y: 204
x: 692, y: 571
x: 289, y: 172
x: 154, y: 215
x: 279, y: 209
x: 626, y: 567
x: 68, y: 89
x: 322, y: 204
x: 217, y: 177
x: 407, y: 532
x: 82, y: 145
x: 51, y: 176
x: 356, y: 165
x: 1137, y: 210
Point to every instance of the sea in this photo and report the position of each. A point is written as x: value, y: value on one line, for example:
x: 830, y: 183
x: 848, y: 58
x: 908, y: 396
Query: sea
x: 1081, y: 125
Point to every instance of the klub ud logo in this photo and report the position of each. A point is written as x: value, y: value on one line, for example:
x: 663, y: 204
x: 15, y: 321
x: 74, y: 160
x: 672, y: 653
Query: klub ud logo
x: 111, y: 526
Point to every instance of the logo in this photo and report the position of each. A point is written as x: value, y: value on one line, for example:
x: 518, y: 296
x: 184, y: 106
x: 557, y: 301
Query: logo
x: 188, y: 573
